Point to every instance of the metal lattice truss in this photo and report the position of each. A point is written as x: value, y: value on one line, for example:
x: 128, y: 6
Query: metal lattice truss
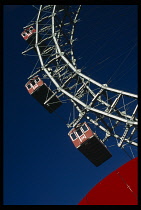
x: 112, y: 111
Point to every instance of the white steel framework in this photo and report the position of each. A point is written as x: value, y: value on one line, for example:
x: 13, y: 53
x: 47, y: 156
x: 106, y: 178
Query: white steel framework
x: 112, y: 111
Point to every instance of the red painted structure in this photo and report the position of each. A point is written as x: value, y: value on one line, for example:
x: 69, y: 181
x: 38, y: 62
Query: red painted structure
x: 33, y: 84
x: 43, y: 94
x: 88, y: 143
x: 29, y: 35
x: 28, y: 32
x: 118, y: 188
x: 80, y: 134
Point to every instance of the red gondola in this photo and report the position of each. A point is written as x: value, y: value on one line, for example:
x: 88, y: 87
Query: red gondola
x: 43, y: 94
x: 28, y: 32
x: 29, y: 35
x: 88, y: 143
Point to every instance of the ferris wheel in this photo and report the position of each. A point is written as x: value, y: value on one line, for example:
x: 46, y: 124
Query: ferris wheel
x: 56, y: 79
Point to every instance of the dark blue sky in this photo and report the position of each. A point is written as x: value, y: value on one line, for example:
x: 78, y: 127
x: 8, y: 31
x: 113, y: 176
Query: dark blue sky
x: 41, y: 165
